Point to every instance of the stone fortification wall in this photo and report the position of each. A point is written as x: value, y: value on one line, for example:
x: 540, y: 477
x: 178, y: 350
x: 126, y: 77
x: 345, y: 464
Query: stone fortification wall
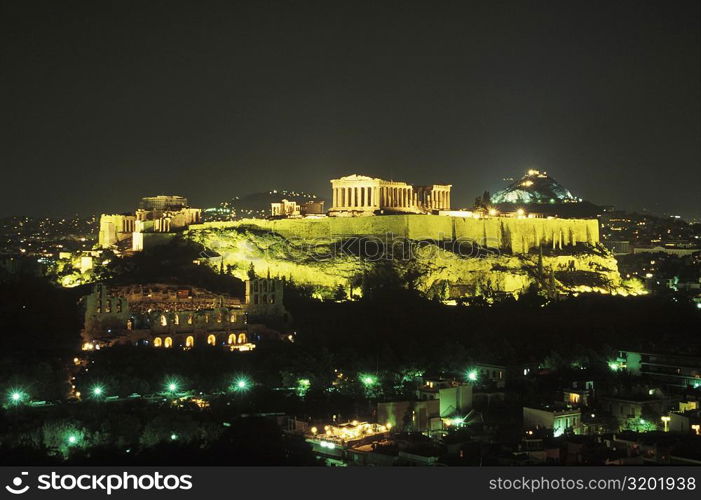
x: 515, y: 235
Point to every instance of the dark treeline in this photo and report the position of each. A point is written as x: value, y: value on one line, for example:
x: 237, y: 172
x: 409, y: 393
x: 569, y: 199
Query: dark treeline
x: 39, y: 335
x: 140, y: 433
x: 397, y: 328
x: 172, y: 263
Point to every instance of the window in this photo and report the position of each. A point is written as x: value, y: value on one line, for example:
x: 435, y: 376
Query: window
x: 157, y: 342
x: 190, y: 341
x: 164, y: 320
x: 232, y: 339
x: 242, y: 338
x: 168, y: 342
x: 211, y: 340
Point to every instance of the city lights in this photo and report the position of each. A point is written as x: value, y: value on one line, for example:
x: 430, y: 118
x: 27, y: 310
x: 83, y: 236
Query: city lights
x: 17, y: 396
x: 73, y: 438
x: 172, y: 386
x: 97, y: 391
x: 303, y: 386
x: 241, y: 384
x: 472, y: 375
x: 368, y: 380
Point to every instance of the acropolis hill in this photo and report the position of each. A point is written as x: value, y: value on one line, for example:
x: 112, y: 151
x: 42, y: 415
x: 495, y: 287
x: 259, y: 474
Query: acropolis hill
x: 517, y: 236
x: 521, y: 252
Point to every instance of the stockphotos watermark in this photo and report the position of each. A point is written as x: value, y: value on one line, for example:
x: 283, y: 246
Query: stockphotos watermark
x: 389, y: 247
x: 105, y: 483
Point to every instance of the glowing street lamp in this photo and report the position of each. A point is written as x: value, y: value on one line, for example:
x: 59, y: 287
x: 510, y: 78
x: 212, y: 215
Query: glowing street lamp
x: 97, y: 390
x: 472, y: 375
x: 72, y: 438
x: 303, y: 386
x: 241, y: 384
x: 16, y: 396
x: 368, y: 380
x: 614, y: 366
x: 172, y: 386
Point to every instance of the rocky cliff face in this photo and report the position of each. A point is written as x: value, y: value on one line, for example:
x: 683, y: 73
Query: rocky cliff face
x: 448, y: 268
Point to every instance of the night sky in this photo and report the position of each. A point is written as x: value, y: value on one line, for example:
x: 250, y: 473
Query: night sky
x: 105, y: 102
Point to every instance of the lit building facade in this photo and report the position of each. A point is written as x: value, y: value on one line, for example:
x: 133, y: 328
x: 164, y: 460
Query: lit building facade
x: 676, y: 370
x: 163, y: 202
x: 362, y: 195
x: 264, y: 297
x: 284, y: 208
x: 558, y: 418
x: 156, y: 219
x: 164, y: 316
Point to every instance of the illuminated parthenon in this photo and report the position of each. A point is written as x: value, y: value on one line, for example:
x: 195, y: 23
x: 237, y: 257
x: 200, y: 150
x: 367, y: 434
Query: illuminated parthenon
x: 362, y: 195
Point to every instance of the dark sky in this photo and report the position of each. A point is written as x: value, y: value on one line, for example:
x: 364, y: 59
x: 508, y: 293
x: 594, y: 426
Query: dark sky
x: 105, y: 102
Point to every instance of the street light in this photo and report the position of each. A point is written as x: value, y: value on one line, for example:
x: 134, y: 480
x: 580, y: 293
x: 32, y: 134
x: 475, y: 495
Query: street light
x: 241, y: 384
x: 303, y: 386
x: 368, y: 380
x: 97, y: 390
x: 172, y: 386
x: 472, y: 375
x: 73, y: 438
x: 16, y: 396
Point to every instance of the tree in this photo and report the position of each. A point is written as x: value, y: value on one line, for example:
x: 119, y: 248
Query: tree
x: 340, y: 293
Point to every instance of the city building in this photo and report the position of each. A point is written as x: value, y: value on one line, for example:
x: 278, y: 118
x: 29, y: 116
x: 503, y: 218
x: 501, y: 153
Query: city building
x: 687, y: 422
x: 362, y: 195
x: 556, y: 417
x: 579, y: 394
x: 679, y: 370
x: 635, y: 410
